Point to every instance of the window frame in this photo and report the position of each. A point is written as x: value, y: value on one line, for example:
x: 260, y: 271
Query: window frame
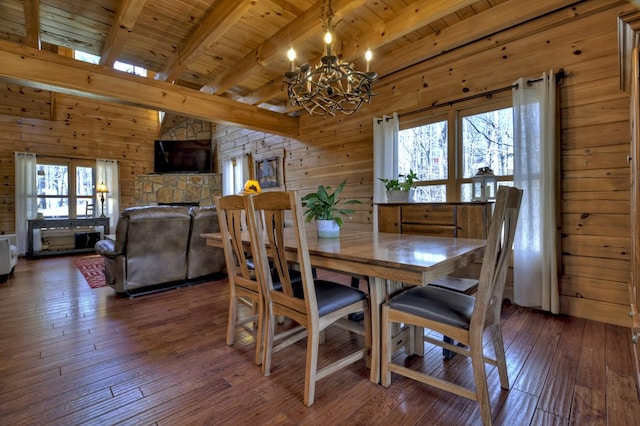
x: 72, y: 197
x: 454, y: 115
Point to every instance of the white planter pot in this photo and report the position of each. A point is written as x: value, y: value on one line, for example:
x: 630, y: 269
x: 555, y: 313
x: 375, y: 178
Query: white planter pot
x: 398, y: 196
x: 327, y: 229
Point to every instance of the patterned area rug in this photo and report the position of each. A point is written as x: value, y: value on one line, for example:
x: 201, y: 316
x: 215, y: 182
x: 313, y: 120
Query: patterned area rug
x: 92, y: 269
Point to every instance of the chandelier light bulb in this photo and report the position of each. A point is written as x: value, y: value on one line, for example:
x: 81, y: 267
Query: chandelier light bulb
x: 368, y: 56
x: 328, y: 38
x: 291, y: 54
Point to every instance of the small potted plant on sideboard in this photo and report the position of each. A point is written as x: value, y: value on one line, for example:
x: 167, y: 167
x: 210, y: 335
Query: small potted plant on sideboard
x: 399, y: 190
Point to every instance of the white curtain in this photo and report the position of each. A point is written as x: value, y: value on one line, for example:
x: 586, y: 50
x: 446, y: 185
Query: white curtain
x: 235, y: 172
x: 535, y: 265
x: 385, y: 157
x: 107, y: 172
x: 26, y: 197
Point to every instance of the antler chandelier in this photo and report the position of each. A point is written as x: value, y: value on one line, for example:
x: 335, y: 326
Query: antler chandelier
x: 332, y: 85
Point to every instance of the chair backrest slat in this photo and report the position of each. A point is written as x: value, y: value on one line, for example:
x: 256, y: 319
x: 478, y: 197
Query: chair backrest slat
x: 497, y: 256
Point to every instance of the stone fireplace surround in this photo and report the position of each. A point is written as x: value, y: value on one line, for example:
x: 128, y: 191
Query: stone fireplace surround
x: 200, y: 188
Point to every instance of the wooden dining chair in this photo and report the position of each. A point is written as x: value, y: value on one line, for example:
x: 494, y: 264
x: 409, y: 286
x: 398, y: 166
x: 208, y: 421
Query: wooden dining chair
x: 243, y: 286
x: 244, y: 289
x: 462, y: 317
x: 316, y: 304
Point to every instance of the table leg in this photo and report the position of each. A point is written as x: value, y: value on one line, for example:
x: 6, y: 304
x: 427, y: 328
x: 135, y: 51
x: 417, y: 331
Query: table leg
x: 376, y: 298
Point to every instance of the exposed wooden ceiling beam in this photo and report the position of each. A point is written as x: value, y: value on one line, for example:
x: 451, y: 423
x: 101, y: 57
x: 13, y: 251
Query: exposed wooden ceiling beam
x: 220, y: 20
x: 498, y: 18
x: 31, y: 9
x: 48, y: 71
x: 122, y: 27
x: 300, y: 29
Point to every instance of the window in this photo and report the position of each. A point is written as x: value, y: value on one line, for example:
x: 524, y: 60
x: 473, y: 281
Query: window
x: 86, y: 57
x: 65, y: 187
x: 131, y: 69
x: 446, y: 150
x: 120, y: 66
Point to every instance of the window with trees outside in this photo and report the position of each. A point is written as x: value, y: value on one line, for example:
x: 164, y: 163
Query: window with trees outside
x: 65, y: 188
x: 446, y: 149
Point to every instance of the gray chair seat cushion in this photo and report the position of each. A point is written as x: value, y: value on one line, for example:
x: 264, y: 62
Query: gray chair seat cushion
x: 436, y: 304
x: 332, y: 296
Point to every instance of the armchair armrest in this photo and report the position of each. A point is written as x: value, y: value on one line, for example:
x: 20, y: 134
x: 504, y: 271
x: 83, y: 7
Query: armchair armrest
x: 106, y: 248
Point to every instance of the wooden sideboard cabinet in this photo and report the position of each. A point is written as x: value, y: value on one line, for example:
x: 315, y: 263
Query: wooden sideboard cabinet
x: 70, y: 229
x: 462, y: 220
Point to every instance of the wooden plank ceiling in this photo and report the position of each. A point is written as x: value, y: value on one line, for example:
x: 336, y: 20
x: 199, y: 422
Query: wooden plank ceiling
x: 236, y: 49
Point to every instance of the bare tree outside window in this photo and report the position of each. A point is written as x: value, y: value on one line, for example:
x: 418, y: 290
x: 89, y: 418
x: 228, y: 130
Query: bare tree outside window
x: 424, y: 149
x: 484, y: 139
x: 65, y: 189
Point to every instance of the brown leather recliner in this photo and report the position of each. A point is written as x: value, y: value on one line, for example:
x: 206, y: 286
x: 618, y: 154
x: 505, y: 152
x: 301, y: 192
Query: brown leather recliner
x: 153, y: 247
x: 203, y: 259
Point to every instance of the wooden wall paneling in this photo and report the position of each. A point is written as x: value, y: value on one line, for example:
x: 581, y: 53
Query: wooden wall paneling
x: 596, y: 224
x: 595, y: 135
x: 26, y: 102
x: 609, y: 157
x: 596, y: 206
x: 598, y: 185
x: 584, y: 308
x: 594, y: 289
x: 94, y: 130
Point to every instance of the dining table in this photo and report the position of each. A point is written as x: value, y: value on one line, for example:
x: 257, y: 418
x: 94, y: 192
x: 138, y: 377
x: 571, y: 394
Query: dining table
x: 386, y: 259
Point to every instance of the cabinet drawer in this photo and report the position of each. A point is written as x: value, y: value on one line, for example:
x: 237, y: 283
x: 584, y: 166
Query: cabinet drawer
x: 437, y: 230
x: 429, y: 214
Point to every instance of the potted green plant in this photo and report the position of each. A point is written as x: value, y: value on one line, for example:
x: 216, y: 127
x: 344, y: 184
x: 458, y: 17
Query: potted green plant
x: 327, y: 208
x: 399, y: 190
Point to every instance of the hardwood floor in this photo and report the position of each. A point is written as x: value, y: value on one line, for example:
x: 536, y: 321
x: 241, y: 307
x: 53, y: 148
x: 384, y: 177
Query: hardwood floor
x: 73, y: 355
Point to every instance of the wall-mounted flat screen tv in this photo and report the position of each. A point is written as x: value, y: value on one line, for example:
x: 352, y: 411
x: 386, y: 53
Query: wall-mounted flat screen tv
x: 183, y: 156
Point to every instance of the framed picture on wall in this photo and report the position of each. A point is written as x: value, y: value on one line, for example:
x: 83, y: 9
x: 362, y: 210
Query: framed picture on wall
x: 268, y: 170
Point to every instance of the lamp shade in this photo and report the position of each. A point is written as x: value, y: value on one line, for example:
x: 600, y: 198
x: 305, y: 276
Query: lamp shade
x: 102, y: 188
x: 251, y: 187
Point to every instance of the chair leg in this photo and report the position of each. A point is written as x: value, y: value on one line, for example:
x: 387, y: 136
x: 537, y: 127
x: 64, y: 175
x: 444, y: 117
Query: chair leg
x: 268, y: 325
x: 260, y: 335
x: 356, y: 316
x: 482, y: 392
x: 313, y: 342
x: 498, y: 348
x: 231, y: 320
x: 385, y: 355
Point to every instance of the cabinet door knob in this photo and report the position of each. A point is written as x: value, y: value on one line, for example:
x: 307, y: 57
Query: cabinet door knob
x: 634, y: 339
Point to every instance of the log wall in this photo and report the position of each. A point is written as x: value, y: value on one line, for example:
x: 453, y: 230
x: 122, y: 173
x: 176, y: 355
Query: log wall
x: 594, y: 139
x: 77, y: 128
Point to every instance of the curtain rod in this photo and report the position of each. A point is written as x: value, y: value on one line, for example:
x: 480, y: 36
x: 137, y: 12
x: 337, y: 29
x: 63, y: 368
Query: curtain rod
x: 559, y: 76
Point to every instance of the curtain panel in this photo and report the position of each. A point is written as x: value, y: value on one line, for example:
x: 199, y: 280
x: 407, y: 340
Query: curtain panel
x: 107, y: 172
x: 25, y: 197
x: 535, y: 264
x: 385, y: 157
x: 235, y: 172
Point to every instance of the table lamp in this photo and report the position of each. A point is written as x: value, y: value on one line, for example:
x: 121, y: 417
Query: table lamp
x: 102, y: 189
